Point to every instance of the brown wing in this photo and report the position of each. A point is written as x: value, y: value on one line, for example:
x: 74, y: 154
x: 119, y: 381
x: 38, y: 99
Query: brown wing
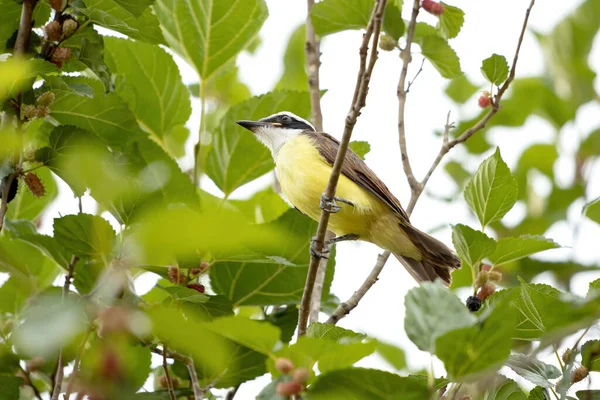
x: 355, y: 169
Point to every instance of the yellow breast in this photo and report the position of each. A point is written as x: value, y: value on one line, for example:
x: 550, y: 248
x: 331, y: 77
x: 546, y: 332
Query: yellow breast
x: 303, y: 175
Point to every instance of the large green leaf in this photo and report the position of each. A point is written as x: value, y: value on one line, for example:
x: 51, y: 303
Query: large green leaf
x: 332, y: 332
x: 392, y: 354
x: 451, y: 21
x: 85, y: 235
x: 533, y: 370
x: 263, y: 206
x: 149, y: 82
x: 112, y: 15
x: 256, y: 335
x: 431, y: 311
x: 27, y: 232
x: 87, y: 47
x: 439, y: 53
x: 135, y: 7
x: 481, y: 348
x: 513, y: 248
x: 369, y: 384
x: 208, y: 33
x: 495, y: 69
x: 590, y: 355
x: 505, y: 389
x: 460, y: 89
x: 294, y: 75
x: 236, y: 157
x: 105, y: 115
x: 472, y: 246
x: 492, y: 191
x: 278, y: 279
x: 9, y: 387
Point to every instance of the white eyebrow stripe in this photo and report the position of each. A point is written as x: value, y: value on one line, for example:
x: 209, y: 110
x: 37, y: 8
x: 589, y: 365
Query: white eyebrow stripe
x: 292, y: 115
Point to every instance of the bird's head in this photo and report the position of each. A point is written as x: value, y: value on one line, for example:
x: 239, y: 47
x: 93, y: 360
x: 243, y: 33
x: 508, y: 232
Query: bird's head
x: 273, y: 131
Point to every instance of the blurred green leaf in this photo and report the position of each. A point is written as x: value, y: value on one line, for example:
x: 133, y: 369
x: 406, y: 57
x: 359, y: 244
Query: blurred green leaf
x: 9, y: 362
x: 371, y: 384
x: 513, y: 248
x: 286, y: 319
x: 439, y: 53
x: 588, y: 394
x: 460, y: 89
x: 113, y: 15
x: 48, y: 324
x: 431, y: 311
x: 85, y: 235
x: 185, y: 294
x: 9, y: 387
x: 294, y: 75
x: 591, y: 145
x: 540, y: 157
x: 331, y: 332
x: 256, y: 335
x: 136, y: 8
x: 532, y: 369
x: 592, y: 211
x: 269, y: 392
x: 392, y: 354
x: 505, y: 389
x: 495, y: 69
x: 393, y: 24
x: 481, y: 348
x: 277, y: 281
x: 176, y: 139
x: 263, y: 206
x: 140, y: 67
x: 538, y: 393
x: 27, y: 232
x: 105, y: 115
x: 87, y: 47
x: 472, y: 246
x: 216, y: 30
x: 225, y: 86
x: 492, y: 191
x: 236, y: 157
x: 27, y: 206
x: 88, y: 273
x: 360, y: 147
x: 10, y: 12
x: 451, y: 21
x: 590, y: 355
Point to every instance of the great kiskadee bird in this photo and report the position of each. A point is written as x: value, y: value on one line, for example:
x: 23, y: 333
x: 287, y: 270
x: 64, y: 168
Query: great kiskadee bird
x: 304, y: 159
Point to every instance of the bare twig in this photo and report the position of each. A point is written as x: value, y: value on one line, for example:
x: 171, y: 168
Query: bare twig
x: 312, y: 51
x: 447, y: 145
x: 189, y: 363
x: 27, y: 380
x: 358, y: 102
x: 167, y: 374
x: 25, y: 26
x: 58, y: 380
x: 410, y: 83
x: 406, y: 57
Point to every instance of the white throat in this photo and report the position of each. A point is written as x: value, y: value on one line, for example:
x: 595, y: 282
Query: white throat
x: 275, y: 137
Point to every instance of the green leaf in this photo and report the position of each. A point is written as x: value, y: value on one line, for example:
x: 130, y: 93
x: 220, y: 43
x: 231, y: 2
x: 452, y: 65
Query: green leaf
x: 538, y: 393
x: 236, y: 157
x: 360, y: 147
x: 10, y: 12
x: 514, y: 248
x: 27, y: 232
x: 149, y: 82
x: 286, y: 319
x: 9, y: 387
x: 256, y: 335
x: 591, y: 145
x: 331, y: 332
x: 534, y: 370
x: 136, y: 7
x: 207, y: 34
x: 588, y: 394
x: 276, y: 280
x: 393, y: 355
x: 105, y: 115
x: 225, y: 87
x: 112, y: 15
x: 263, y: 206
x: 472, y: 246
x: 87, y: 47
x: 593, y: 288
x: 505, y: 389
x: 393, y: 24
x: 590, y: 355
x: 367, y: 384
x: 85, y: 235
x: 451, y: 21
x: 294, y: 75
x: 439, y: 53
x: 460, y: 89
x: 492, y: 191
x: 431, y: 311
x: 481, y: 348
x: 592, y: 211
x: 185, y: 294
x: 495, y: 69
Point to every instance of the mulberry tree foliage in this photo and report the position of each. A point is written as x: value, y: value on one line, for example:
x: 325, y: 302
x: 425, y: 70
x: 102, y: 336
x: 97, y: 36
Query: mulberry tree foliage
x: 94, y: 103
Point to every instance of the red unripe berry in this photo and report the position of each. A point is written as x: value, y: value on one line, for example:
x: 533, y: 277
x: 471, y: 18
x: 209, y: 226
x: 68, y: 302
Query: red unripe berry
x: 300, y: 375
x: 53, y: 31
x: 485, y: 99
x: 486, y: 291
x: 433, y: 7
x: 197, y: 287
x: 288, y: 388
x: 284, y: 365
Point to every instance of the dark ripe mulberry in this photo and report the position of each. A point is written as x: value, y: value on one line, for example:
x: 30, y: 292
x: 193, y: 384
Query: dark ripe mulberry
x: 473, y: 303
x: 12, y: 191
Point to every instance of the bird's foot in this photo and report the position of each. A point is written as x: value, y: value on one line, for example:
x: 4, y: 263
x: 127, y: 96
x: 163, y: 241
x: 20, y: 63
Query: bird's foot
x: 343, y: 238
x: 316, y: 253
x: 329, y: 204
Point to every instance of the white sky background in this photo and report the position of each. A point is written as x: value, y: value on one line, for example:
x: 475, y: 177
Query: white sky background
x: 490, y: 27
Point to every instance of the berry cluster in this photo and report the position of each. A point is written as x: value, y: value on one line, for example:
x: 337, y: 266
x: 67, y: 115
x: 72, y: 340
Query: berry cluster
x: 296, y: 378
x: 42, y: 107
x: 486, y: 289
x: 54, y: 33
x: 179, y: 278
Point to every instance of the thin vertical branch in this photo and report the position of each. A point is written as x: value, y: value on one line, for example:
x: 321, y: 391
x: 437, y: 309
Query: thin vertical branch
x: 312, y: 51
x: 167, y: 374
x: 58, y: 380
x: 25, y: 26
x: 358, y: 102
x: 416, y: 186
x: 189, y: 363
x: 73, y: 376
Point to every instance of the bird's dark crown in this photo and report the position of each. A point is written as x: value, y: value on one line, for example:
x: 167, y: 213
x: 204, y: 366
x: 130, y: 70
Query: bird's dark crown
x: 288, y: 120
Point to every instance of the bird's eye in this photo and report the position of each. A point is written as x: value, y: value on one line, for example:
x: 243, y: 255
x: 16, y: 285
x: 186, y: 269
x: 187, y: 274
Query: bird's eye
x: 286, y: 118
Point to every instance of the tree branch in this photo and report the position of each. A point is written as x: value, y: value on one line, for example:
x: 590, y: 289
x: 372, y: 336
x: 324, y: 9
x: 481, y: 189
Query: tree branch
x: 358, y: 102
x: 25, y: 26
x: 312, y: 51
x: 73, y: 376
x: 416, y: 191
x: 4, y: 200
x: 189, y: 363
x: 167, y: 374
x: 58, y: 380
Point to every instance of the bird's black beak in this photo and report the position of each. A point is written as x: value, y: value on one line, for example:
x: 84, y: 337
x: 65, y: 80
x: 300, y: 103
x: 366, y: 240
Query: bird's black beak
x: 254, y: 125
